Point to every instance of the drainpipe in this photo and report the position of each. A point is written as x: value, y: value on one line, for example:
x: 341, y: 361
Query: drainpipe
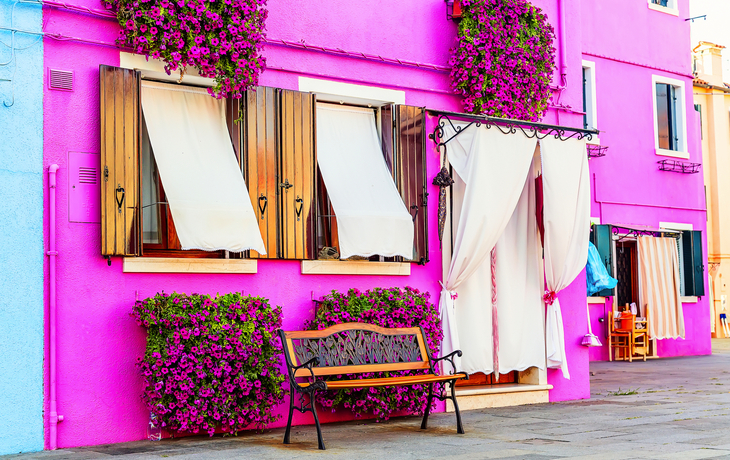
x: 54, y: 418
x: 562, y: 49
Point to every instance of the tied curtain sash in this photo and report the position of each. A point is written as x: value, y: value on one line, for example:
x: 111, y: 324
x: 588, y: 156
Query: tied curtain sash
x: 566, y: 194
x: 494, y: 168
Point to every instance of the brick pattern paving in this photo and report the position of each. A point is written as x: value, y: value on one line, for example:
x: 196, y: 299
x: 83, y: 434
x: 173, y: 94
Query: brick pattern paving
x: 666, y: 408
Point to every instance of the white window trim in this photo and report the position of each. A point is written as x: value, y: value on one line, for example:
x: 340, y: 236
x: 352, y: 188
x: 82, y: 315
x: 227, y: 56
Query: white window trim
x: 672, y: 10
x: 592, y: 109
x: 344, y: 93
x: 155, y: 68
x: 355, y: 267
x: 683, y: 152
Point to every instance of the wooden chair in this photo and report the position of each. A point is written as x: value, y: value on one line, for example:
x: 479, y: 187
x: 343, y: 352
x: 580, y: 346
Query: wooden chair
x: 640, y: 338
x: 618, y: 340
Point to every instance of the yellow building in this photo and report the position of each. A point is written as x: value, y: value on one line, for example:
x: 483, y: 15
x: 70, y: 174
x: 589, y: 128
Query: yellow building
x: 712, y: 102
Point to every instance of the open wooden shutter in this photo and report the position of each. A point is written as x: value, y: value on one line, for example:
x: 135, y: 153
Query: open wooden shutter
x: 259, y: 144
x: 409, y: 157
x: 297, y: 175
x: 694, y: 267
x: 601, y: 238
x: 120, y: 116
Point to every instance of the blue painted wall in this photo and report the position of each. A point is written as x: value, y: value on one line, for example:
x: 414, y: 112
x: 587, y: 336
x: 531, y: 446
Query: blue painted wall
x: 21, y: 229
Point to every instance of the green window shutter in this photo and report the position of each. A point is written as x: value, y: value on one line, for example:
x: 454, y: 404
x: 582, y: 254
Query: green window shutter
x: 601, y: 238
x: 694, y: 267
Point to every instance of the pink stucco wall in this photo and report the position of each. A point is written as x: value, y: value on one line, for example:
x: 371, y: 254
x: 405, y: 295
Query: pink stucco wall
x: 627, y: 187
x: 99, y: 387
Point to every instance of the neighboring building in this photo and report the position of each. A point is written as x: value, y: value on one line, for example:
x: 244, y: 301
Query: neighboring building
x: 21, y: 227
x: 98, y: 385
x: 639, y: 95
x: 712, y: 103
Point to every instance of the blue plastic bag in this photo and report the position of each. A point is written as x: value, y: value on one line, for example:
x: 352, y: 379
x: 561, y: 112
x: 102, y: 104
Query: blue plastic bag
x: 597, y: 277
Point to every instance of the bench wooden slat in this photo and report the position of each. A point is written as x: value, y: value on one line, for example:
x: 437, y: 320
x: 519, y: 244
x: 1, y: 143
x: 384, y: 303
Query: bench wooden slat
x: 406, y: 380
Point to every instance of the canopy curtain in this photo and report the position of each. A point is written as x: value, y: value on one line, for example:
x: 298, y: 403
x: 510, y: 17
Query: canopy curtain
x: 660, y: 296
x: 371, y: 216
x: 494, y: 167
x: 197, y: 165
x: 566, y: 198
x: 519, y: 280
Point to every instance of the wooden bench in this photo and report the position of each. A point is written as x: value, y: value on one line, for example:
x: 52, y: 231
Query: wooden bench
x: 358, y: 348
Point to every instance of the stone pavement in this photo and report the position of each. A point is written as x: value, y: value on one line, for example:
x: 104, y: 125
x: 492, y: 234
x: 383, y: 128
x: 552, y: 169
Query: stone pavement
x: 668, y: 408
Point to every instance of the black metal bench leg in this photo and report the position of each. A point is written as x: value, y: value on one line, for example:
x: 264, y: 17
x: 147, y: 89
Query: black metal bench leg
x: 287, y: 439
x: 316, y: 421
x: 459, y: 426
x: 424, y: 423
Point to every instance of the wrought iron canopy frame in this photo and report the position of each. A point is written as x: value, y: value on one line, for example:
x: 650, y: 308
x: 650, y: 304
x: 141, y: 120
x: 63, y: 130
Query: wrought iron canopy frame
x: 624, y: 232
x: 504, y: 125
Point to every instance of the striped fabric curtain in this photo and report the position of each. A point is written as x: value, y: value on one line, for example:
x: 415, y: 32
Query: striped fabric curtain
x: 660, y: 297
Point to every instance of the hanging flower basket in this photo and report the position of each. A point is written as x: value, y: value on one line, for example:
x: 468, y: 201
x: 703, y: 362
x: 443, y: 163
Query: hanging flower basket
x: 504, y: 59
x: 221, y: 39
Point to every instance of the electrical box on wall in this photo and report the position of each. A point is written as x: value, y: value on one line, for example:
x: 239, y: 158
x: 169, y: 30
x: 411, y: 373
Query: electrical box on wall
x: 84, y: 177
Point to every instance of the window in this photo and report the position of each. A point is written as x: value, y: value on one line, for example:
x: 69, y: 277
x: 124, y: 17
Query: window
x: 665, y: 6
x: 589, y: 95
x: 620, y: 257
x: 275, y: 148
x: 670, y: 129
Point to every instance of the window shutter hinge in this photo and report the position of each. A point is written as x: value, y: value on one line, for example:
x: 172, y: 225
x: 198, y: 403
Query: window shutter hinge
x: 106, y: 173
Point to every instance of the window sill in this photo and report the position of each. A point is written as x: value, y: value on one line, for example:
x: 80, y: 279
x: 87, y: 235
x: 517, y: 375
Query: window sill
x: 688, y: 299
x: 595, y: 299
x: 354, y: 267
x: 672, y: 153
x: 664, y: 9
x: 172, y: 265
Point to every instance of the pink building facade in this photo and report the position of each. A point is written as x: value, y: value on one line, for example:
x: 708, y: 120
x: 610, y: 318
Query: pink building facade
x: 98, y: 385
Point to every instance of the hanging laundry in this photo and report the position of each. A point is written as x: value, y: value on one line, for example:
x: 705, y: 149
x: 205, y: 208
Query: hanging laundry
x: 597, y: 277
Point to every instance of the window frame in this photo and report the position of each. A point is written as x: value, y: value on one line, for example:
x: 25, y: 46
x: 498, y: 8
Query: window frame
x: 680, y: 113
x: 589, y: 98
x: 168, y: 234
x: 671, y: 8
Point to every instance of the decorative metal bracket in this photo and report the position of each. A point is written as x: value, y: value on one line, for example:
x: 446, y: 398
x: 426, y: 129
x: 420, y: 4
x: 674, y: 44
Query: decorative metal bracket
x: 628, y: 232
x: 682, y: 167
x: 505, y: 126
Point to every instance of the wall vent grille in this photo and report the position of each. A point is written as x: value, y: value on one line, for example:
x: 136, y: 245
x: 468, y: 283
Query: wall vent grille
x: 61, y: 79
x: 87, y: 175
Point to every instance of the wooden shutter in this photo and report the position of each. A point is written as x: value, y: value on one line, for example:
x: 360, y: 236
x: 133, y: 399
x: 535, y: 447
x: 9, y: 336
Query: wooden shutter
x: 409, y: 140
x: 297, y: 175
x: 259, y: 143
x: 694, y: 267
x: 601, y: 238
x: 120, y: 115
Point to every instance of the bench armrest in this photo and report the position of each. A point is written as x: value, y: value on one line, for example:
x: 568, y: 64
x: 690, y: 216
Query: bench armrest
x: 449, y: 358
x: 307, y: 365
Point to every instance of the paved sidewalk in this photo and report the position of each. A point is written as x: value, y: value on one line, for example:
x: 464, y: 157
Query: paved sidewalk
x: 669, y: 408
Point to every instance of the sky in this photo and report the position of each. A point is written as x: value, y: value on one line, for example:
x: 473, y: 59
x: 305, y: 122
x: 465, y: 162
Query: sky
x: 715, y: 29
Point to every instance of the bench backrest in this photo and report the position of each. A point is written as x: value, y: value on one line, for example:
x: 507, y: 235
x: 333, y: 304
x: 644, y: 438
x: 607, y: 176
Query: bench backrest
x: 351, y: 348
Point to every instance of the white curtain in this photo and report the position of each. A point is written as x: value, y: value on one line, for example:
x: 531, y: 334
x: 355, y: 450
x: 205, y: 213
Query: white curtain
x: 659, y: 267
x: 520, y: 282
x: 371, y: 216
x: 566, y: 198
x: 197, y: 165
x: 494, y: 167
